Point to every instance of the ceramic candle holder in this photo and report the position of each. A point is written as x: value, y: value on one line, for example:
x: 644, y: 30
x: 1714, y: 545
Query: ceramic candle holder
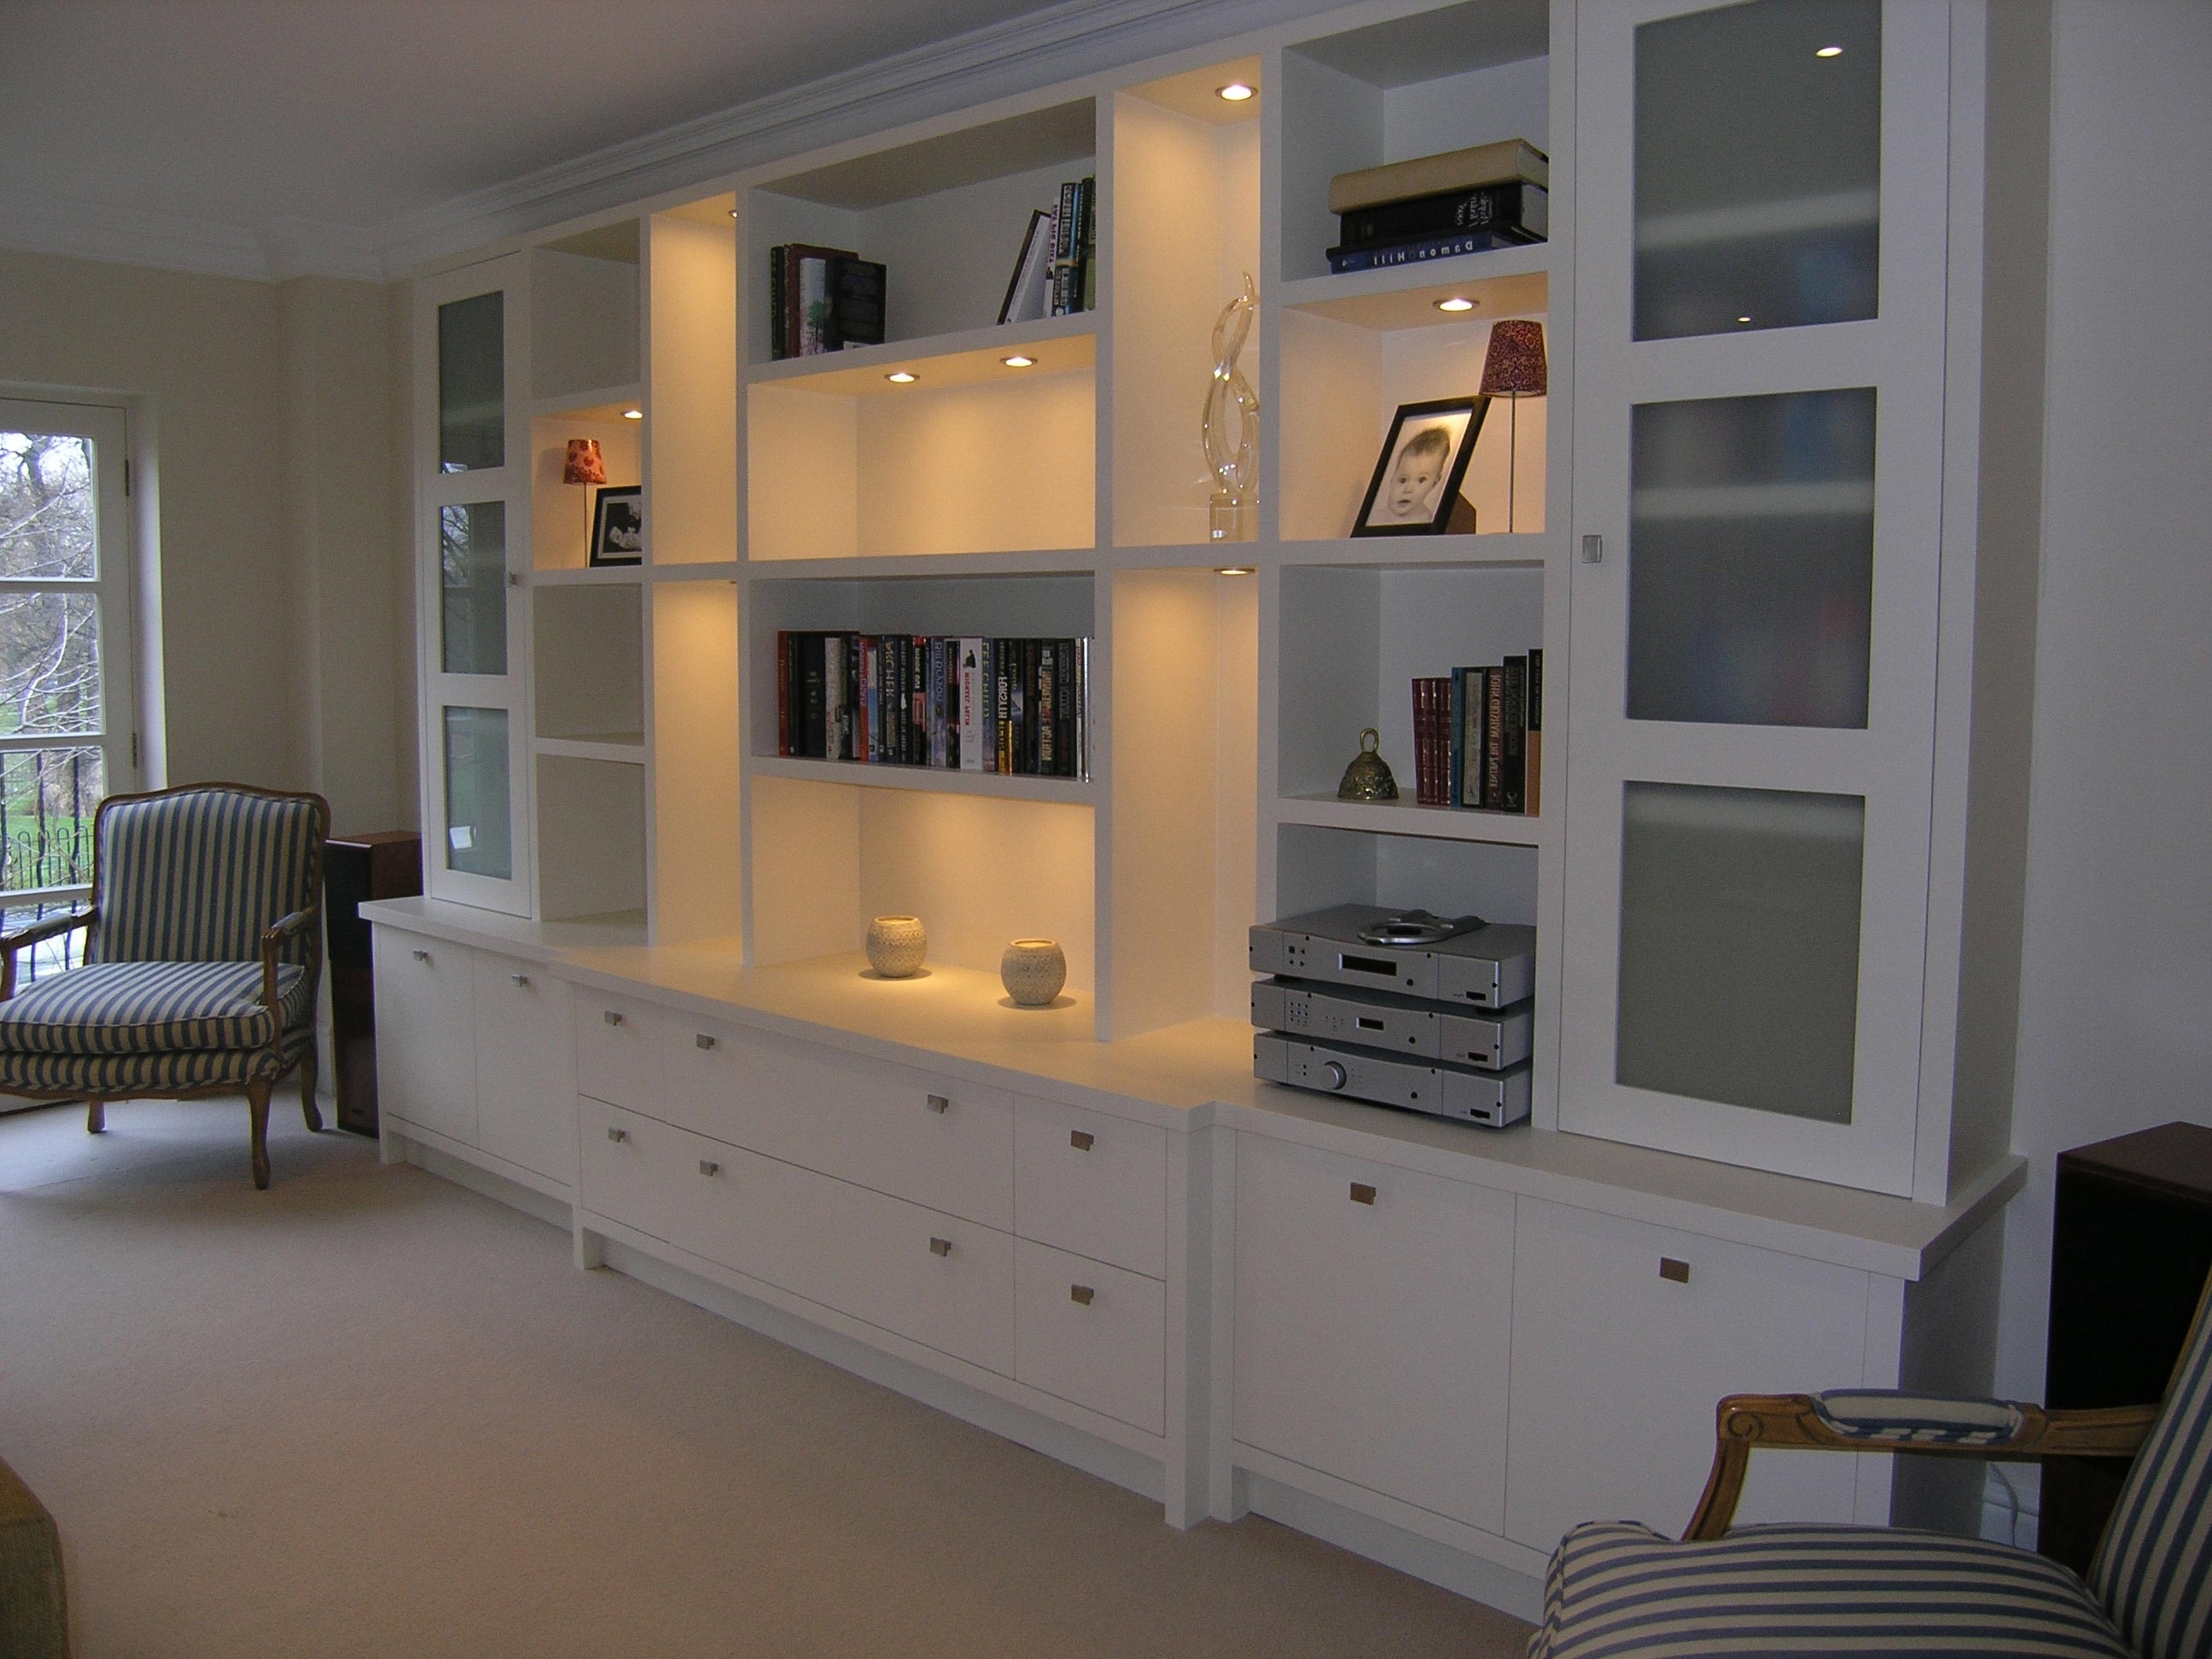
x: 1033, y: 970
x: 895, y: 946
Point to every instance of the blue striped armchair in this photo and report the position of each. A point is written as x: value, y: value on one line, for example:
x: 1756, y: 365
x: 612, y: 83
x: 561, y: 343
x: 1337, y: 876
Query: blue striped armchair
x: 1621, y: 1591
x: 203, y: 948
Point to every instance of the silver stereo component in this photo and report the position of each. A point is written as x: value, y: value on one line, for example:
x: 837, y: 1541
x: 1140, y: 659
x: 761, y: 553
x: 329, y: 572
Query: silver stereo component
x: 1484, y: 965
x: 1396, y: 1025
x: 1493, y: 1098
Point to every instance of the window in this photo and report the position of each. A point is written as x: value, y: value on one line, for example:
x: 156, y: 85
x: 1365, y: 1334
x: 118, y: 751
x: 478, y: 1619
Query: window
x: 66, y: 691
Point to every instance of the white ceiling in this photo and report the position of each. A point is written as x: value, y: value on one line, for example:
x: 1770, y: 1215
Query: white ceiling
x: 342, y: 135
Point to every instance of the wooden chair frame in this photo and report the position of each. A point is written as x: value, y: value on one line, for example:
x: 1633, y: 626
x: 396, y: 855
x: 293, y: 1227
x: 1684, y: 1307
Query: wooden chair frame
x: 274, y: 940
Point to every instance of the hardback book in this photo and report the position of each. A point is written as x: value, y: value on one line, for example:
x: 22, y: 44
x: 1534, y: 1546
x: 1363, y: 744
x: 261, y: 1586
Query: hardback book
x: 1517, y: 206
x: 1493, y: 738
x: 1475, y: 715
x: 1432, y: 741
x: 1048, y: 707
x: 1455, y: 735
x: 857, y: 290
x: 968, y: 679
x: 1030, y: 288
x: 1431, y: 175
x: 1002, y: 695
x: 1533, y: 741
x: 806, y: 296
x: 813, y: 694
x: 779, y: 344
x: 1448, y: 247
x: 1513, y: 771
x: 783, y: 693
x: 938, y: 740
x: 833, y: 697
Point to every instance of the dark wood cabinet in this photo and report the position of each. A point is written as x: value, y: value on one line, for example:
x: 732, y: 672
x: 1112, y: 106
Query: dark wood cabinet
x: 356, y: 868
x: 2131, y: 1246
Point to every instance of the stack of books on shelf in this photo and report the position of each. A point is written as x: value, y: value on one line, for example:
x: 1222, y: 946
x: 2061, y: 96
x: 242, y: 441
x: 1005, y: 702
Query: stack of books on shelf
x: 1020, y: 707
x: 1479, y: 737
x: 822, y: 299
x: 1434, y: 207
x: 1055, y: 273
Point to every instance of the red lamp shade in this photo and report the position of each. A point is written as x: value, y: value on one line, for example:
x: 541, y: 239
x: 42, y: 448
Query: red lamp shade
x: 1514, y: 367
x: 585, y: 463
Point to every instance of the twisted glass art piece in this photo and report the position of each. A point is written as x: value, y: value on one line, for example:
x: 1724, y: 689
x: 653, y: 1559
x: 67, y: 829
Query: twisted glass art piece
x: 1229, y: 428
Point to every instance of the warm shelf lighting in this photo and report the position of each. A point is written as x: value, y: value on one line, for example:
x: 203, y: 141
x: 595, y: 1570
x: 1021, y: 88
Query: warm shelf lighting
x: 901, y: 377
x: 1235, y: 93
x: 1743, y: 319
x: 1233, y: 569
x: 1829, y: 51
x: 1017, y: 361
x: 633, y: 414
x: 1457, y: 302
x: 733, y: 213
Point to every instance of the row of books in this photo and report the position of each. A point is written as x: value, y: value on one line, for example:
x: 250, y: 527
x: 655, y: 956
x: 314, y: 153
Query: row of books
x: 958, y: 703
x: 1479, y: 737
x: 1056, y: 274
x: 1436, y: 207
x: 822, y: 299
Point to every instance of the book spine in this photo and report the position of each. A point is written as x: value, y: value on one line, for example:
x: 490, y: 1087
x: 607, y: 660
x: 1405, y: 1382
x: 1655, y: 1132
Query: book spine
x: 779, y: 342
x: 1517, y: 206
x: 1534, y: 742
x: 851, y: 743
x: 1456, y: 738
x: 1493, y: 738
x: 813, y: 705
x: 1065, y: 702
x: 1048, y: 707
x: 1433, y: 750
x: 791, y: 330
x: 783, y: 693
x: 1495, y: 163
x: 833, y: 695
x: 1478, y: 737
x: 1513, y: 770
x: 1342, y: 259
x: 1002, y: 704
x: 813, y: 305
x: 937, y: 702
x: 1082, y: 709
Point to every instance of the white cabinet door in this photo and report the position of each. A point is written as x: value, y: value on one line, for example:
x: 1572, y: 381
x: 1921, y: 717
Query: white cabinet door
x: 525, y: 1105
x: 621, y: 1043
x: 1617, y: 1368
x: 1372, y: 1312
x: 1091, y: 1334
x: 632, y: 1169
x: 426, y: 1069
x: 1093, y: 1184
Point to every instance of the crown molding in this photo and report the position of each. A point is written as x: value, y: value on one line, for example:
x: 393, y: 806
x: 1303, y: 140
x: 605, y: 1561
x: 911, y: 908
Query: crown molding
x: 1064, y: 41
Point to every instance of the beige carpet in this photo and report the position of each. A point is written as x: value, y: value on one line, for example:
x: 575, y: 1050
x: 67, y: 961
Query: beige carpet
x: 366, y: 1413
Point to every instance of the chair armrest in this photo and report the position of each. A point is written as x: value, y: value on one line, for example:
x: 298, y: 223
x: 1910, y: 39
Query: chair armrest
x: 36, y: 932
x: 273, y: 941
x: 1860, y: 1420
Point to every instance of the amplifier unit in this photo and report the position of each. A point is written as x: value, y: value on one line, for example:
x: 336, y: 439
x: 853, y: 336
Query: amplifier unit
x: 1492, y: 1098
x: 1460, y: 960
x: 1401, y: 1025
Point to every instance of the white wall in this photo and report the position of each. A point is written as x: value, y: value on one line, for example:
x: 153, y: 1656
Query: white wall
x: 2116, y: 1001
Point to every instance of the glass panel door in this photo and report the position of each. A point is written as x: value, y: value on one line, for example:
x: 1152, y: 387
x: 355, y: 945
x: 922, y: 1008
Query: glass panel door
x: 1759, y: 293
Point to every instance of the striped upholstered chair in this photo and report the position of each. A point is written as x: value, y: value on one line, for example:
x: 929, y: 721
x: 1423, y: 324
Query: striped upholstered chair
x: 1621, y: 1591
x: 203, y: 950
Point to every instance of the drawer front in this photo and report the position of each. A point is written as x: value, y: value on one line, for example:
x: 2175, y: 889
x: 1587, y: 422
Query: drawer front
x: 426, y: 1068
x: 525, y: 1104
x: 1091, y: 1334
x: 620, y: 1042
x: 1373, y: 1310
x: 1618, y: 1364
x: 630, y: 1169
x: 1093, y: 1184
x: 933, y: 1140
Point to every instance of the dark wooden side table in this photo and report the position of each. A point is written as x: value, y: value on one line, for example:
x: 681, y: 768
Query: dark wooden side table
x: 386, y: 865
x: 2130, y: 1245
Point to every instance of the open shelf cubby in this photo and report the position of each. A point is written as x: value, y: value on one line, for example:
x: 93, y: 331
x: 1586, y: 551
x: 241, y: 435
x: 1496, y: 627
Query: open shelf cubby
x: 590, y: 837
x: 590, y: 677
x: 584, y: 312
x: 560, y: 513
x: 1317, y: 865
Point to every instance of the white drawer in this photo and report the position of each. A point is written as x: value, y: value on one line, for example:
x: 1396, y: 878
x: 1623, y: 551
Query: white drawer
x: 629, y: 1169
x: 619, y: 1044
x: 1091, y: 1334
x: 933, y: 1140
x: 1091, y: 1183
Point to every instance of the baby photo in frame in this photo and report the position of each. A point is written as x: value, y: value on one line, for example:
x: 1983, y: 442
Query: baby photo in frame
x: 618, y: 525
x: 1415, y: 489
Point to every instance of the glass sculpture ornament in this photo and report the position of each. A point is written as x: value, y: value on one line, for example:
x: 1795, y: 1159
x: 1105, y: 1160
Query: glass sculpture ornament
x: 1229, y: 428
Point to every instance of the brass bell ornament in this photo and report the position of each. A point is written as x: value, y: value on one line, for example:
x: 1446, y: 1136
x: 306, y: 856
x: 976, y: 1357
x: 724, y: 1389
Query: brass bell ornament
x: 1368, y: 777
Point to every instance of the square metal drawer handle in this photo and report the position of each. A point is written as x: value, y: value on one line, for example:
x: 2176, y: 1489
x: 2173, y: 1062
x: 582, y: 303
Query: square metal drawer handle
x: 941, y: 1247
x: 939, y: 1104
x: 1674, y: 1268
x: 1362, y: 1193
x: 1080, y: 1295
x: 702, y: 1040
x: 611, y: 1016
x: 709, y: 1167
x: 422, y: 956
x: 617, y: 1134
x: 522, y: 980
x: 1081, y: 1140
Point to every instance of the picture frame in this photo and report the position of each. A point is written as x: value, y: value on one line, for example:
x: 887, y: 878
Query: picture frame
x: 1415, y: 489
x: 618, y: 525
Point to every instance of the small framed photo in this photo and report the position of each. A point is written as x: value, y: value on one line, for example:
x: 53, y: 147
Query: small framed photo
x: 1415, y: 489
x: 618, y: 525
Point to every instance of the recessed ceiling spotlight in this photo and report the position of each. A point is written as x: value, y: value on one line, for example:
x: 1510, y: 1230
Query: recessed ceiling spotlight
x: 1232, y: 569
x: 1236, y: 92
x: 1017, y: 361
x: 1829, y: 51
x: 900, y: 377
x: 733, y: 213
x: 1457, y: 302
x: 1743, y: 319
x: 633, y: 414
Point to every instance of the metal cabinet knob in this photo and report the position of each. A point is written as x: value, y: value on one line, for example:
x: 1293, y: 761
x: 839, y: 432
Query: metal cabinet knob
x: 611, y: 1017
x: 422, y: 956
x: 617, y: 1134
x: 1080, y: 1295
x: 709, y: 1167
x: 1081, y: 1140
x: 702, y: 1040
x: 939, y: 1104
x: 1362, y: 1193
x: 1674, y: 1268
x: 520, y: 979
x: 941, y: 1247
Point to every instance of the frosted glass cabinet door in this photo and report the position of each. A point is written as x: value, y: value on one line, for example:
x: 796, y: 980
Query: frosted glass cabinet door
x: 1759, y: 297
